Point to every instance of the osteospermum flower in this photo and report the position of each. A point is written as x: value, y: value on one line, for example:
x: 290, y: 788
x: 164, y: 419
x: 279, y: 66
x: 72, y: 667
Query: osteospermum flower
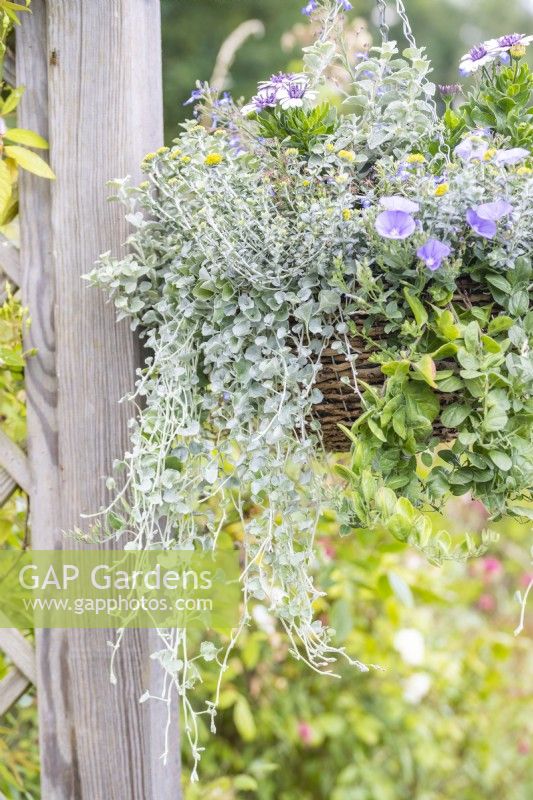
x: 433, y: 253
x: 289, y: 90
x: 399, y: 203
x: 512, y: 39
x: 479, y: 56
x: 293, y: 94
x: 395, y: 224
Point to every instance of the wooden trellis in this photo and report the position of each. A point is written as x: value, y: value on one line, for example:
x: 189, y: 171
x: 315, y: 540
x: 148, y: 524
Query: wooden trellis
x: 14, y: 472
x: 92, y: 72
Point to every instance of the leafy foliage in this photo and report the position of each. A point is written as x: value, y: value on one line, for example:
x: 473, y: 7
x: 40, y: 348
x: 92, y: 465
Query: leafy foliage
x: 298, y: 127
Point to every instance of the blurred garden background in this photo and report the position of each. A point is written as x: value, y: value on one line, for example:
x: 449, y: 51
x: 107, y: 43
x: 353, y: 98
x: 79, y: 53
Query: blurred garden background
x: 450, y: 715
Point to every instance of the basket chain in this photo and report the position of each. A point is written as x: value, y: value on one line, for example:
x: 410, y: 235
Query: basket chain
x: 407, y: 32
x: 402, y: 13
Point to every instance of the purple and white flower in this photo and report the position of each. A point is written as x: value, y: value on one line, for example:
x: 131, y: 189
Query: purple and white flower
x: 399, y: 203
x: 479, y: 56
x: 512, y: 156
x: 471, y: 148
x: 345, y: 5
x: 433, y: 253
x: 512, y: 39
x: 286, y: 89
x: 395, y: 224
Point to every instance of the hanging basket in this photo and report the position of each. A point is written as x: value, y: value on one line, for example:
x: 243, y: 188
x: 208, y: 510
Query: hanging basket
x: 342, y: 402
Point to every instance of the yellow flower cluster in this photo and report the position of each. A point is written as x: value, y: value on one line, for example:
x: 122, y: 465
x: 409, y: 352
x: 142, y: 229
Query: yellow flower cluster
x: 212, y: 159
x: 346, y: 155
x: 415, y: 158
x: 442, y: 189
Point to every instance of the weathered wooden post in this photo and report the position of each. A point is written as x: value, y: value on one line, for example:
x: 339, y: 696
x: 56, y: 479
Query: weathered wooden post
x: 93, y: 76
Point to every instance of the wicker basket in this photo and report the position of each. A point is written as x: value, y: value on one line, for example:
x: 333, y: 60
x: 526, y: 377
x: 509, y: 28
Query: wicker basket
x: 341, y: 403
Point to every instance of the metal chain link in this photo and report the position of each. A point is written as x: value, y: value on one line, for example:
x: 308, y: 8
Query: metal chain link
x: 402, y: 13
x: 407, y: 32
x: 383, y: 27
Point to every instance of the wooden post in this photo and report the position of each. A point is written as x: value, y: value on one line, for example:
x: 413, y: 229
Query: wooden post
x: 92, y: 69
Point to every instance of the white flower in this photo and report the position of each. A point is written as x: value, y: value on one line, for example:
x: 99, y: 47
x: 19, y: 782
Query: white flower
x: 416, y: 687
x: 410, y: 644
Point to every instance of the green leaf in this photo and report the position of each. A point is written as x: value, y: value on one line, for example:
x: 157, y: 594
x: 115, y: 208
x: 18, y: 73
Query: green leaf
x: 502, y: 460
x: 421, y: 400
x: 398, y: 423
x: 471, y: 337
x: 419, y: 312
x: 376, y: 430
x: 447, y: 327
x: 244, y: 721
x: 426, y: 367
x: 499, y: 282
x: 12, y: 100
x: 344, y: 472
x: 29, y: 161
x: 172, y: 462
x: 490, y: 344
x: 5, y: 186
x: 495, y: 419
x: 444, y: 351
x: 522, y: 511
x: 28, y: 138
x: 452, y: 384
x: 401, y: 589
x: 519, y: 302
x: 452, y: 416
x: 500, y: 324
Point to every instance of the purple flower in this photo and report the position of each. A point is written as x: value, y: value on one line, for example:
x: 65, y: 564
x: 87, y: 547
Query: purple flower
x: 399, y: 203
x: 479, y: 56
x: 511, y: 39
x: 483, y: 227
x: 433, y: 253
x: 512, y: 156
x: 395, y: 224
x: 309, y: 8
x: 449, y: 89
x: 196, y: 94
x: 471, y: 148
x: 345, y: 5
x: 493, y: 211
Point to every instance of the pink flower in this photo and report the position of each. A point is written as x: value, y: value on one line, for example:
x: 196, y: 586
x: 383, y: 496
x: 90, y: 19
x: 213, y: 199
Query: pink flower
x: 305, y: 732
x: 526, y: 579
x: 486, y: 603
x: 523, y: 747
x: 327, y: 548
x: 491, y: 566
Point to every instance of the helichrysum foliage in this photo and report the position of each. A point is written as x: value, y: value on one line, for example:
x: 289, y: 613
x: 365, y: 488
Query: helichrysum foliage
x: 285, y: 231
